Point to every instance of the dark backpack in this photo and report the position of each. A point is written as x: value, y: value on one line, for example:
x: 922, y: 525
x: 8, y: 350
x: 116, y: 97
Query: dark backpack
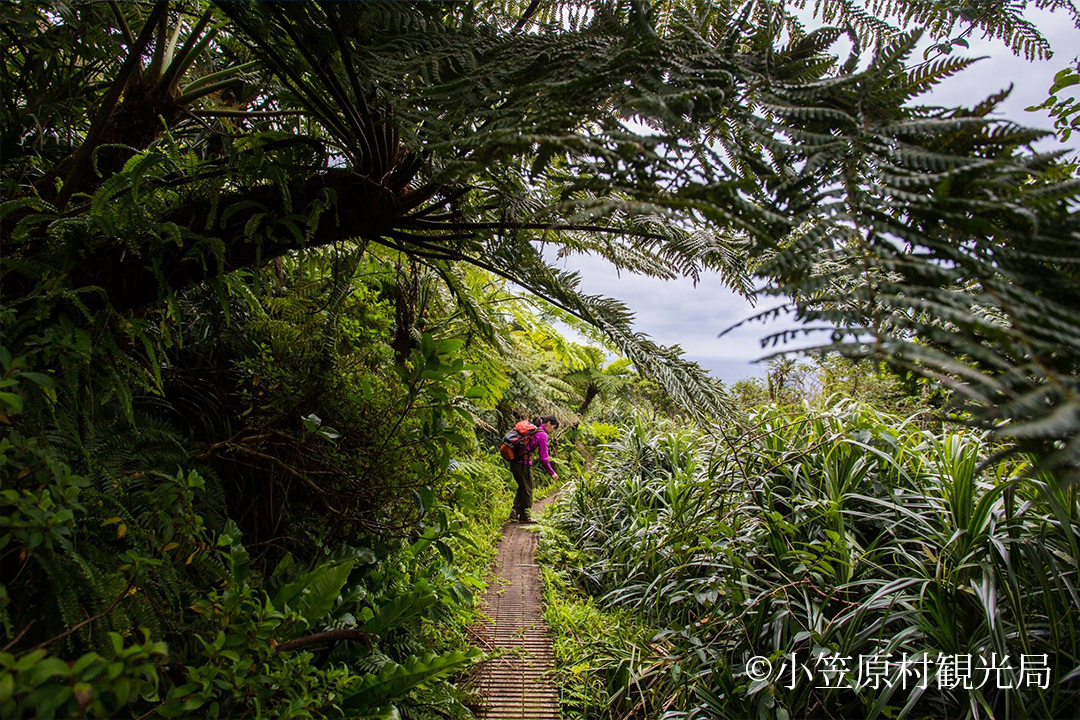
x: 515, y: 444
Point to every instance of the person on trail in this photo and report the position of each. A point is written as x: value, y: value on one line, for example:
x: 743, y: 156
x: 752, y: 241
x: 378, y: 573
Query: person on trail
x: 518, y: 448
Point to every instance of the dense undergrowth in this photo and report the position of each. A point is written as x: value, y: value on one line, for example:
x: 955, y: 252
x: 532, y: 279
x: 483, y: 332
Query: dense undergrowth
x: 294, y: 519
x: 834, y: 531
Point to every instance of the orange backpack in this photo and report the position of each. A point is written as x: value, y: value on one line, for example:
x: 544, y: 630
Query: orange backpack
x: 516, y: 441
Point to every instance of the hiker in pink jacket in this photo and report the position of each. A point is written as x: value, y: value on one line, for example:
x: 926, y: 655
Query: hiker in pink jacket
x: 521, y: 465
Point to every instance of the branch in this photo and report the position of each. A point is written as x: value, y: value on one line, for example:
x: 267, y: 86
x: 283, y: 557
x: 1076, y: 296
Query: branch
x: 287, y: 468
x: 108, y: 104
x: 365, y: 210
x: 425, y: 224
x: 18, y: 637
x: 452, y: 255
x: 320, y: 493
x: 328, y: 636
x: 87, y: 621
x: 247, y: 113
x: 129, y: 37
x: 526, y: 16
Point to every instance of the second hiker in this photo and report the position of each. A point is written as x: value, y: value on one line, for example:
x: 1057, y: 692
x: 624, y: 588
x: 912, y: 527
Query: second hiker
x: 518, y: 447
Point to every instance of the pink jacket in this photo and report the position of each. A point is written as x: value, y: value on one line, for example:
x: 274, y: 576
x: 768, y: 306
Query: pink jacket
x: 539, y: 441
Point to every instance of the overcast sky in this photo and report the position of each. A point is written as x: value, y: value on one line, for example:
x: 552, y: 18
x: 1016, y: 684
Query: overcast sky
x: 677, y: 313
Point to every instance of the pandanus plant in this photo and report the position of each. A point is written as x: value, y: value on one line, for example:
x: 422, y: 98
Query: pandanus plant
x: 858, y: 533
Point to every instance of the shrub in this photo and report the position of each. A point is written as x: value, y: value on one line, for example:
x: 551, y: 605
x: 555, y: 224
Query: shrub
x: 842, y: 532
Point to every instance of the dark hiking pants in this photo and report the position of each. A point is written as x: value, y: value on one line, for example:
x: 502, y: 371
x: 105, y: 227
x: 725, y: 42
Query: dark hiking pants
x: 523, y: 498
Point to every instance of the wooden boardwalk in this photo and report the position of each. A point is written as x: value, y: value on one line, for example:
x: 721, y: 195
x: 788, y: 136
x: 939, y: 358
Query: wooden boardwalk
x: 519, y: 684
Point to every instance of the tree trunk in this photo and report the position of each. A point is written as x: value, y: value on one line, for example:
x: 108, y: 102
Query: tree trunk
x: 133, y: 280
x: 590, y: 393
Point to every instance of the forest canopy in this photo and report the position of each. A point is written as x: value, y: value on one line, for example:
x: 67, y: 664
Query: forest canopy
x: 671, y: 139
x: 277, y: 275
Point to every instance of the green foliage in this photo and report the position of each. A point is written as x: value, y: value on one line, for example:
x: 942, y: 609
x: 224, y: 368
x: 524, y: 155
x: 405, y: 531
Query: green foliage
x: 313, y: 594
x: 1064, y: 110
x: 827, y: 378
x: 833, y: 530
x: 395, y: 680
x: 959, y: 292
x: 261, y: 329
x: 92, y: 685
x: 748, y: 140
x: 254, y: 659
x: 154, y: 549
x: 584, y: 637
x: 43, y: 515
x: 1002, y: 21
x: 14, y: 372
x: 599, y: 433
x: 167, y: 561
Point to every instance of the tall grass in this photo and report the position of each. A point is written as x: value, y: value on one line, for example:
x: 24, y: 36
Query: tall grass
x: 845, y: 532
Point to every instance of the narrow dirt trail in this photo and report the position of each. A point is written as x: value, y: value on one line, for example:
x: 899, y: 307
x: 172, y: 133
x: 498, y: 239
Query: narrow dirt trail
x: 518, y: 684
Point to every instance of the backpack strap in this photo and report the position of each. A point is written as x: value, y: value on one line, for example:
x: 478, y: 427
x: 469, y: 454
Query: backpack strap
x: 524, y: 443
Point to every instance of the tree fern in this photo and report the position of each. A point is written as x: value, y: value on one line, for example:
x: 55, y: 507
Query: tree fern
x: 1003, y: 21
